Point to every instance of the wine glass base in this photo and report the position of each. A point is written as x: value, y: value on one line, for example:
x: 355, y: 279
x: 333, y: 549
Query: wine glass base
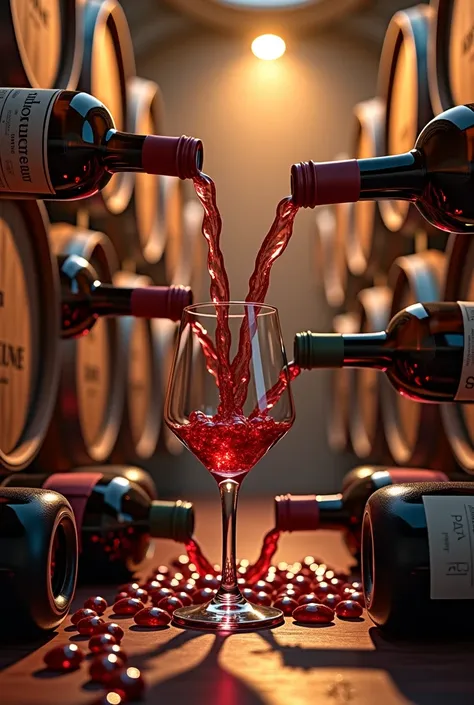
x: 217, y: 615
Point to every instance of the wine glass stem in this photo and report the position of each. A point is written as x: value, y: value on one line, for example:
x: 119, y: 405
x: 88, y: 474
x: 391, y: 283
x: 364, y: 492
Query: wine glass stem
x: 229, y: 590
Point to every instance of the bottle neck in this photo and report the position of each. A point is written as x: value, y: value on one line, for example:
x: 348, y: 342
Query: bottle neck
x: 366, y: 350
x: 110, y: 300
x: 399, y: 176
x: 332, y: 513
x: 123, y: 152
x: 328, y: 350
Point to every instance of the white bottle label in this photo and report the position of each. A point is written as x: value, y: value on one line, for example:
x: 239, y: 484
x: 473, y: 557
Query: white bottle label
x: 466, y: 382
x: 24, y: 121
x: 450, y: 525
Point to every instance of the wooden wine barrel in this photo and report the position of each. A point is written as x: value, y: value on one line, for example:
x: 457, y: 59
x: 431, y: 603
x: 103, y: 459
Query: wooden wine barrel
x: 41, y: 43
x: 370, y: 247
x: 458, y: 419
x: 338, y: 419
x: 192, y: 268
x: 332, y: 230
x: 451, y: 50
x: 139, y: 431
x: 175, y: 257
x: 365, y: 420
x: 29, y: 332
x: 139, y: 232
x: 89, y: 405
x: 108, y: 64
x: 413, y: 430
x: 403, y: 87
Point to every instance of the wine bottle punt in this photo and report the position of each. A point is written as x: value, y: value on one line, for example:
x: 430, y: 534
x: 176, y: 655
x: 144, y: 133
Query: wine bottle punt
x: 63, y: 145
x: 437, y: 175
x: 426, y: 351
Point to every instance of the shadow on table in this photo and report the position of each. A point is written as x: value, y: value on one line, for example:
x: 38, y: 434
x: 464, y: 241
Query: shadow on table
x: 206, y: 683
x: 13, y: 649
x: 426, y: 673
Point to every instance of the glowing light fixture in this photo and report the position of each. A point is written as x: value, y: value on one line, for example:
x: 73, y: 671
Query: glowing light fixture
x: 268, y: 47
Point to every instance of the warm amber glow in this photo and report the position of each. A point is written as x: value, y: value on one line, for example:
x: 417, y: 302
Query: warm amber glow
x: 268, y: 47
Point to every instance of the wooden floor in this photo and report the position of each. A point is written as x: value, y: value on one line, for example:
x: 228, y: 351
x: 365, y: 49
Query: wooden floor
x: 344, y: 663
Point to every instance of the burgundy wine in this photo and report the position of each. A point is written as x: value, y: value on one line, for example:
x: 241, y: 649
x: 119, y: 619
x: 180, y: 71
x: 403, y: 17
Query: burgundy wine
x: 426, y: 351
x: 437, y: 175
x: 229, y: 439
x: 63, y: 145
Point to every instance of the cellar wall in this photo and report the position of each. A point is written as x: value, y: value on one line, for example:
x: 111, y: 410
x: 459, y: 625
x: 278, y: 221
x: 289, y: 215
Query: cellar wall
x: 256, y: 119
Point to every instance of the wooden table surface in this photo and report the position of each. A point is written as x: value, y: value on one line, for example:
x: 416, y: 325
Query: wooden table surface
x: 343, y: 663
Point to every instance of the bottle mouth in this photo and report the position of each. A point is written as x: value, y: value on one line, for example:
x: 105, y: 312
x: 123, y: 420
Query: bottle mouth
x: 368, y: 565
x: 189, y: 157
x: 62, y: 562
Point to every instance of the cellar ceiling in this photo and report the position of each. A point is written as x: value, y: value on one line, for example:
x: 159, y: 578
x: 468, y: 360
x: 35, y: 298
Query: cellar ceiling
x: 156, y: 22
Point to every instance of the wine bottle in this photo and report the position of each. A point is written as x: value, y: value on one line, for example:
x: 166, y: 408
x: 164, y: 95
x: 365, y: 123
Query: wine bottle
x: 426, y: 351
x: 417, y: 561
x: 115, y: 518
x: 344, y: 511
x: 437, y: 175
x: 62, y: 145
x: 84, y: 298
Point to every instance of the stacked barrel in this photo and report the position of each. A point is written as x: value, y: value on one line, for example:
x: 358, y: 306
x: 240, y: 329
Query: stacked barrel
x: 98, y: 398
x: 377, y: 258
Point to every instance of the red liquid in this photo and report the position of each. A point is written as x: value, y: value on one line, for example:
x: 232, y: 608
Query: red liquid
x: 197, y: 557
x: 263, y: 562
x: 230, y: 446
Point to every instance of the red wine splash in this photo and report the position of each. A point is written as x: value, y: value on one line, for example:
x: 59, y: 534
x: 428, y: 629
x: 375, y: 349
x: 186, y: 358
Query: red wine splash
x: 263, y: 562
x: 196, y: 556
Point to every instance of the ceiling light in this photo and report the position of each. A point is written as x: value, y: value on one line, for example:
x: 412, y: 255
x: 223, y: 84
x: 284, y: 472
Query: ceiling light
x: 268, y: 47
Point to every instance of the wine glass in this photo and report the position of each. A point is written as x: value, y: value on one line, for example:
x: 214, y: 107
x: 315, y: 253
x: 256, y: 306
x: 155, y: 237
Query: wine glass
x: 229, y: 422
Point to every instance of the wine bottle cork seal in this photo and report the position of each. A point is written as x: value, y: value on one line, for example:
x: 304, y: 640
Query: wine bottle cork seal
x: 450, y: 50
x: 413, y: 431
x: 296, y: 512
x: 29, y: 327
x: 108, y: 64
x: 172, y: 519
x: 339, y: 400
x: 365, y: 415
x: 318, y: 350
x: 139, y: 431
x: 321, y: 183
x: 40, y: 565
x: 41, y: 43
x: 458, y: 419
x: 403, y: 87
x: 139, y: 232
x: 89, y: 407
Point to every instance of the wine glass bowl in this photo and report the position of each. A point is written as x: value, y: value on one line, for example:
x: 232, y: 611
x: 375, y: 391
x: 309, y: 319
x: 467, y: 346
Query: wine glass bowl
x: 229, y: 421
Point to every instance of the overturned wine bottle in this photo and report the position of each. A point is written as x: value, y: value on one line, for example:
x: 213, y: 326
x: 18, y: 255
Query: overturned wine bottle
x: 426, y: 351
x: 63, y: 145
x: 84, y: 298
x: 437, y: 175
x: 417, y: 560
x: 116, y: 519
